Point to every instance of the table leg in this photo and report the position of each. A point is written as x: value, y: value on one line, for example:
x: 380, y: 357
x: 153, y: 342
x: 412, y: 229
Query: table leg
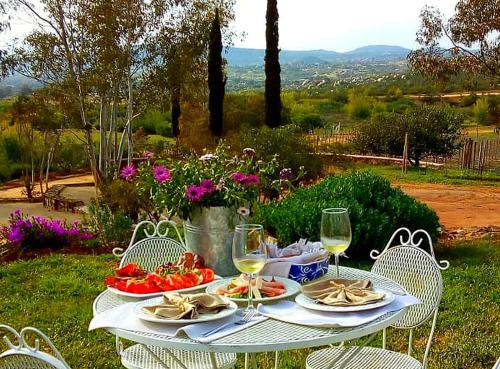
x: 350, y: 353
x: 276, y: 360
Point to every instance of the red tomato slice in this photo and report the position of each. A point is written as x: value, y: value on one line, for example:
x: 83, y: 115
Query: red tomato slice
x: 131, y: 270
x: 208, y: 275
x: 192, y: 279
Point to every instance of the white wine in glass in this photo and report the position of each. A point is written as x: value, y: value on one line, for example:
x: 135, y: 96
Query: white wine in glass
x: 249, y: 253
x: 335, y: 232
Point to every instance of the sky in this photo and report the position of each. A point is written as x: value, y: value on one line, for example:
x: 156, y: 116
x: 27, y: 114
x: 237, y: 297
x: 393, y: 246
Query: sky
x: 339, y: 25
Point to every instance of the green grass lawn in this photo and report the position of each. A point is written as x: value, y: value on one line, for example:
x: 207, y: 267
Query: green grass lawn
x: 55, y: 294
x: 430, y: 175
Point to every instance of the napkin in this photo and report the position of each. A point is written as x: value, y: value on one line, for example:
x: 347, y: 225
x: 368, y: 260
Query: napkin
x: 123, y: 317
x: 280, y: 261
x: 342, y: 292
x: 291, y: 312
x: 176, y: 306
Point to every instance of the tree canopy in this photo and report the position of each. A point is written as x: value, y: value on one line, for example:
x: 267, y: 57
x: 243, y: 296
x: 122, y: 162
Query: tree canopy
x: 473, y: 34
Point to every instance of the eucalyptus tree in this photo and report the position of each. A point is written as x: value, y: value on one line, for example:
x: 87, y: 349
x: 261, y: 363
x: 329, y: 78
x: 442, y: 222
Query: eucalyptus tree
x: 473, y: 34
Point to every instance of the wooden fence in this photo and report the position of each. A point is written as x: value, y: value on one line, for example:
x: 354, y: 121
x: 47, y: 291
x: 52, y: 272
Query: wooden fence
x: 479, y: 155
x: 321, y: 141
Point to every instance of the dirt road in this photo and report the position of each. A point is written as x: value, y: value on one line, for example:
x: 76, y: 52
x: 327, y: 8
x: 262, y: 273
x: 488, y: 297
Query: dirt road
x: 459, y: 206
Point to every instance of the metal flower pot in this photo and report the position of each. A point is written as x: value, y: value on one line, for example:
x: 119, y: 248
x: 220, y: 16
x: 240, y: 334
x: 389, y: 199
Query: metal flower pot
x: 209, y: 233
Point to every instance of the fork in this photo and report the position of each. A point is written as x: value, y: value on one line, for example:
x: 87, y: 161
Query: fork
x: 246, y: 318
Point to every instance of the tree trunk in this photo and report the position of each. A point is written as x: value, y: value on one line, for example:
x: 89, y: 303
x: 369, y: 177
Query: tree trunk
x: 216, y: 80
x: 272, y: 67
x: 175, y: 103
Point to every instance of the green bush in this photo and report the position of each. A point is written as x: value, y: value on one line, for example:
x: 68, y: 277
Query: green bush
x: 293, y: 151
x: 375, y: 208
x: 111, y: 228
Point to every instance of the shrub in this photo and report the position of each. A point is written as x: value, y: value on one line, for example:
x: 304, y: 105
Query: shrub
x: 287, y: 142
x: 111, y: 228
x: 360, y: 105
x: 32, y: 233
x: 432, y: 130
x: 375, y: 208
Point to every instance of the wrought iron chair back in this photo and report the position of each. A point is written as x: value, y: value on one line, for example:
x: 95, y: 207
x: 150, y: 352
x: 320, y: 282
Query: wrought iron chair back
x: 156, y: 248
x: 23, y: 355
x: 419, y: 273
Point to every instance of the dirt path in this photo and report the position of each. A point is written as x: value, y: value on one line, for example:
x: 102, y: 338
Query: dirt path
x: 457, y: 206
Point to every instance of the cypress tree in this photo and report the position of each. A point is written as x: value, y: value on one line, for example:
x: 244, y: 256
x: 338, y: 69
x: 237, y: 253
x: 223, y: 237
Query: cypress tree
x: 272, y: 67
x: 216, y: 81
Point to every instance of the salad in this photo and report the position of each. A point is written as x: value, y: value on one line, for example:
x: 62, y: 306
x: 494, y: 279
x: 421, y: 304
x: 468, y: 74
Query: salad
x: 238, y: 288
x: 188, y: 271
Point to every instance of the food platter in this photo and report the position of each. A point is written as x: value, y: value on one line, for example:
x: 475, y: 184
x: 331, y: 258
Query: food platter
x: 291, y: 289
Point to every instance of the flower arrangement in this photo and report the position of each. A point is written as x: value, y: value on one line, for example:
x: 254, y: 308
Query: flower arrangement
x: 214, y: 179
x: 29, y: 233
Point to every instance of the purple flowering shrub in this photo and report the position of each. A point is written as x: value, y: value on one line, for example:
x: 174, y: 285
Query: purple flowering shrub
x: 31, y: 233
x: 216, y: 178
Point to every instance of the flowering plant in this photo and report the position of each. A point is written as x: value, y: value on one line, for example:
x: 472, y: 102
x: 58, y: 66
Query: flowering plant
x: 35, y: 232
x: 214, y: 179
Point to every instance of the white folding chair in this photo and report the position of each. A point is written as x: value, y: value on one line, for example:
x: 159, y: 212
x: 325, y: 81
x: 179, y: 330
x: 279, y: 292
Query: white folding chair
x: 419, y: 273
x: 25, y: 356
x: 153, y: 250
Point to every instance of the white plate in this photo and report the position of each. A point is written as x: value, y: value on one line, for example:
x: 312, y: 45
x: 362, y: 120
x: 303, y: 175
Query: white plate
x: 309, y: 303
x: 156, y: 294
x: 291, y: 288
x: 141, y: 314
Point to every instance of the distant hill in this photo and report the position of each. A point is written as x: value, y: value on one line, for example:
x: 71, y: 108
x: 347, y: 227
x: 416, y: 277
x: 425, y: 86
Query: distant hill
x: 247, y: 57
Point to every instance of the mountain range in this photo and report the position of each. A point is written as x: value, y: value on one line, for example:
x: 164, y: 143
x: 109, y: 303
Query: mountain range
x: 240, y: 57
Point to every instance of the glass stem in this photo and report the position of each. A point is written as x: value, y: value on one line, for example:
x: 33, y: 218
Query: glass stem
x: 250, y: 293
x: 337, y: 264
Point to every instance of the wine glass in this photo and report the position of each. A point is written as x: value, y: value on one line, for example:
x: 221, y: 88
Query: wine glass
x: 335, y: 232
x: 249, y: 253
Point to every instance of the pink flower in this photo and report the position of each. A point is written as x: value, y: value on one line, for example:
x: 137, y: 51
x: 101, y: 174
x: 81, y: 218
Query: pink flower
x: 208, y: 185
x: 161, y: 174
x: 239, y: 177
x: 128, y: 172
x: 148, y: 154
x: 251, y: 180
x: 195, y: 193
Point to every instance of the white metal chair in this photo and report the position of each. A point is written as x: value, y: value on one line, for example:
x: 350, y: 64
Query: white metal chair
x: 25, y: 356
x: 155, y: 249
x: 419, y: 273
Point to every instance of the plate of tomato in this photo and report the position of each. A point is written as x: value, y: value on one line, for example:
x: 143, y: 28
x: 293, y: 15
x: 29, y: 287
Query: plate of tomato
x: 186, y: 274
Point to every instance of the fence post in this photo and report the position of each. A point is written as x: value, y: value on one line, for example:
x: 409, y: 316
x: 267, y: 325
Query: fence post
x: 405, y: 153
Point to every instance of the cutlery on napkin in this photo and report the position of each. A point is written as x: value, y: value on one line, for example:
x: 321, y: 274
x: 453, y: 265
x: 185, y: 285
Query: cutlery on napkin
x: 342, y: 292
x: 179, y: 306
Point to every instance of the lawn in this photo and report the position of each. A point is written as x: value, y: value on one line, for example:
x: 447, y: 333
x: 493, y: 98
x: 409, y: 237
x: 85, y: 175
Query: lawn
x: 55, y: 294
x: 431, y: 175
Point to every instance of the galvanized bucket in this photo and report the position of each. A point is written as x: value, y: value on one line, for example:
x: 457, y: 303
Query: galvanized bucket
x: 209, y: 233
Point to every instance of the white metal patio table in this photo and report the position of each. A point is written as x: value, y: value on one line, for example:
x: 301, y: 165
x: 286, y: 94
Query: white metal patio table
x: 269, y: 335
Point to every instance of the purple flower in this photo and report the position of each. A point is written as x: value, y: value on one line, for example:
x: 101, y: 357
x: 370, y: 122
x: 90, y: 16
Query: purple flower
x: 161, y: 174
x: 16, y: 235
x: 16, y: 213
x: 286, y: 174
x: 128, y: 172
x: 57, y: 227
x: 251, y: 180
x: 208, y: 185
x: 86, y: 236
x: 73, y: 232
x: 239, y: 177
x: 195, y: 193
x: 247, y: 151
x: 148, y: 154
